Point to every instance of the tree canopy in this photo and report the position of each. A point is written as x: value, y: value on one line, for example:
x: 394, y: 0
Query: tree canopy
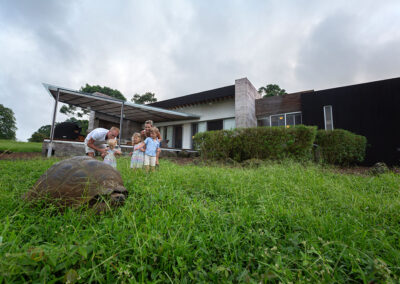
x: 44, y: 131
x: 104, y: 90
x: 271, y: 90
x: 7, y: 123
x: 145, y: 98
x: 73, y: 111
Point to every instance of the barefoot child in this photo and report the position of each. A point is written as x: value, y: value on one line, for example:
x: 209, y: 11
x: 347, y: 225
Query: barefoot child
x: 152, y: 145
x: 146, y: 133
x: 138, y: 151
x: 110, y: 153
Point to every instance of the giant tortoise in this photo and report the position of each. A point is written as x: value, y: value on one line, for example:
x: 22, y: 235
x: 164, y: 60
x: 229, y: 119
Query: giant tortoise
x: 77, y: 181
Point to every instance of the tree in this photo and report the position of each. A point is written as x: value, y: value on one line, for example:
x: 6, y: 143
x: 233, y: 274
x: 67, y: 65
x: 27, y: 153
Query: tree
x: 145, y: 98
x: 82, y: 123
x: 7, y: 123
x: 42, y: 133
x: 74, y: 111
x: 104, y: 90
x: 271, y: 90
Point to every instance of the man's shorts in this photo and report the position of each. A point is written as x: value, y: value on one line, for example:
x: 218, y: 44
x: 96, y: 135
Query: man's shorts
x: 99, y: 144
x: 149, y: 160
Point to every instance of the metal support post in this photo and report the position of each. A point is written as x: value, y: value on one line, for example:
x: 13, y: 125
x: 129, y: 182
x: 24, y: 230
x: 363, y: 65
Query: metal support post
x: 121, y: 120
x: 50, y: 149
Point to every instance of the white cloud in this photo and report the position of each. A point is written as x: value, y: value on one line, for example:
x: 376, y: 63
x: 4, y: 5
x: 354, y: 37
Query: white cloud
x: 177, y: 47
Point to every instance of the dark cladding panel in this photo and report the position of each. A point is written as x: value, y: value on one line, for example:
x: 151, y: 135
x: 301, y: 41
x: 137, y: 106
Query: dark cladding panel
x: 369, y: 109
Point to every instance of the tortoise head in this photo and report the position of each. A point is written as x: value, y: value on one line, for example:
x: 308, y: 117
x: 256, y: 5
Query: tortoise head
x: 118, y: 196
x: 110, y: 198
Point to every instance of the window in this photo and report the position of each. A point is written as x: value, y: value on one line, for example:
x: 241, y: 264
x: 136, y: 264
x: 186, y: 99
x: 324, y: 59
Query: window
x: 293, y: 118
x: 165, y: 133
x: 178, y: 136
x: 215, y: 125
x: 328, y: 117
x: 202, y: 126
x: 285, y: 119
x: 278, y: 120
x: 264, y: 121
x: 229, y: 123
x: 195, y: 129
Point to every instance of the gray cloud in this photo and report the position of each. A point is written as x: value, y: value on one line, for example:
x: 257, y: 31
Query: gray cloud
x: 179, y: 47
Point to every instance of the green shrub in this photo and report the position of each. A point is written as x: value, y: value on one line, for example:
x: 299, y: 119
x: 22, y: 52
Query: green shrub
x: 341, y: 147
x: 257, y: 143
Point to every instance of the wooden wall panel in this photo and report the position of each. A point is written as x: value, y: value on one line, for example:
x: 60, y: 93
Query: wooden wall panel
x: 279, y: 104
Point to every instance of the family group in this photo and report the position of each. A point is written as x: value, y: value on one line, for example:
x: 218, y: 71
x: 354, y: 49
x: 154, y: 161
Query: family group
x: 146, y: 146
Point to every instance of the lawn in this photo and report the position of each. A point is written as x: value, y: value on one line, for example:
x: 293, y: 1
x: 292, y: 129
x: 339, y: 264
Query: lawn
x: 284, y: 222
x: 16, y: 147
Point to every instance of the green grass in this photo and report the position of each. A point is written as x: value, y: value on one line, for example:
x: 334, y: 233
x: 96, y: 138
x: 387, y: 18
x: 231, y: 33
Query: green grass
x: 278, y: 223
x: 14, y: 146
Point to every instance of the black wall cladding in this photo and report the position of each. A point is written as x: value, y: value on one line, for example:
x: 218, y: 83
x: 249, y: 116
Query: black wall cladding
x: 370, y: 109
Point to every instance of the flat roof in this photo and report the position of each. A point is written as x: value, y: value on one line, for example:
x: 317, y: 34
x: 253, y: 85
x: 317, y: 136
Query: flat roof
x: 210, y: 95
x: 112, y: 106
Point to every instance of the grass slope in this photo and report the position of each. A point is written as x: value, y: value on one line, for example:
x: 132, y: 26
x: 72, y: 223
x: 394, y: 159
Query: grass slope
x: 14, y: 146
x: 281, y: 222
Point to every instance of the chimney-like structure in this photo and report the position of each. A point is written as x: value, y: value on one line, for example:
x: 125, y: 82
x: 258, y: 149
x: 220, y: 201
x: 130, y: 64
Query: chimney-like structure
x: 245, y: 106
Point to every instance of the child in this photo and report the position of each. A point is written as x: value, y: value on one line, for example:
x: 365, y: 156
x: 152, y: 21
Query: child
x: 152, y: 145
x: 146, y: 133
x: 110, y: 159
x: 138, y: 151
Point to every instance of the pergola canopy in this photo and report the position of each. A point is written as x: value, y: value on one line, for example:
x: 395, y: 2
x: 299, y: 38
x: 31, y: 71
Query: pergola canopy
x: 111, y: 106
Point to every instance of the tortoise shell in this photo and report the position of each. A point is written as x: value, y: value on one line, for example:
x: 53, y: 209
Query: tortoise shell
x: 77, y: 181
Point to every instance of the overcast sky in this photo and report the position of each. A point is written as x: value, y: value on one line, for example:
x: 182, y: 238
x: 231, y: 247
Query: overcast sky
x: 175, y: 48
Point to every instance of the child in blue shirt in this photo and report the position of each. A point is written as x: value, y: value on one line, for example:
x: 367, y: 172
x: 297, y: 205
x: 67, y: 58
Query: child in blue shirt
x: 152, y: 145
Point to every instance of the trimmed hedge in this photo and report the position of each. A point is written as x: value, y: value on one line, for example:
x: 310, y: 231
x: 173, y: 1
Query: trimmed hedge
x: 341, y: 147
x: 257, y: 143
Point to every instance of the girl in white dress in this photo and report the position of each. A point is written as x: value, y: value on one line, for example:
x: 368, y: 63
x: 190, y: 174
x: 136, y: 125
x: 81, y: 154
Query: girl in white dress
x: 110, y: 159
x: 138, y: 151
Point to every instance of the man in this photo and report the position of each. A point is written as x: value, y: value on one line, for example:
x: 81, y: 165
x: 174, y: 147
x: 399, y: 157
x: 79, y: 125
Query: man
x: 96, y: 139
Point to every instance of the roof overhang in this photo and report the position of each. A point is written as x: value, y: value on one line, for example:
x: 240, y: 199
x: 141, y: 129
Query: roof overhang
x: 112, y: 106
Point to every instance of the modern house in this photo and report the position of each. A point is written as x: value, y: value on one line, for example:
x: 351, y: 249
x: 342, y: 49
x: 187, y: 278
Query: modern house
x: 369, y: 109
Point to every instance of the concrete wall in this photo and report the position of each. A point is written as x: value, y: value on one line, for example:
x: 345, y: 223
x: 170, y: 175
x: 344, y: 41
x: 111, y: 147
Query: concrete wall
x: 129, y: 127
x: 206, y: 111
x: 64, y: 149
x: 186, y: 136
x: 245, y: 110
